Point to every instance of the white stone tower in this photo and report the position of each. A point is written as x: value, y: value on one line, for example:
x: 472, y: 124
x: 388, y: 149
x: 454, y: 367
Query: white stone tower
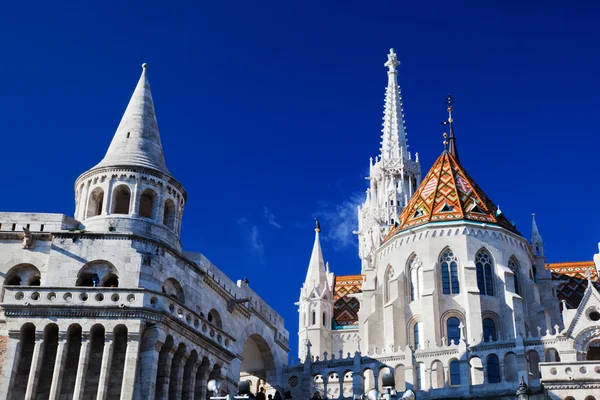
x: 316, y: 303
x: 131, y: 189
x: 393, y: 175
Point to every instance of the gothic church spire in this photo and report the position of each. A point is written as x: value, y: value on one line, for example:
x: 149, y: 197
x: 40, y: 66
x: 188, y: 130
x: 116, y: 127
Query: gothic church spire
x: 137, y: 140
x: 393, y: 144
x: 316, y: 274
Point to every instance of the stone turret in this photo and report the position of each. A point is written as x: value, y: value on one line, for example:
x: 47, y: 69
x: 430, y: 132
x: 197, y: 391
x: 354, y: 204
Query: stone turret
x: 131, y: 190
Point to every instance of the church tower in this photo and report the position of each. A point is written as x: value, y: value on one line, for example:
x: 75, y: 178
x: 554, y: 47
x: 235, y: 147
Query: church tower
x: 316, y: 304
x: 131, y: 190
x: 393, y: 175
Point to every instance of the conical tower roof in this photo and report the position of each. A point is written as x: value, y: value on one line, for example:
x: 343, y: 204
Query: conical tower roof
x: 316, y: 274
x: 448, y: 193
x: 137, y: 140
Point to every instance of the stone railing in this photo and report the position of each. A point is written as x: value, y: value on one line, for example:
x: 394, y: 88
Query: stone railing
x: 106, y: 298
x: 570, y: 372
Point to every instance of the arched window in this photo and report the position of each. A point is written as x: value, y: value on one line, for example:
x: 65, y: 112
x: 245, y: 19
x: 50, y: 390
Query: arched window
x: 173, y: 289
x: 147, y: 204
x: 98, y: 273
x: 169, y: 214
x: 324, y: 319
x: 489, y: 329
x: 418, y: 334
x: 23, y: 275
x: 452, y: 326
x: 95, y: 202
x: 390, y: 274
x: 120, y: 200
x: 420, y: 376
x: 314, y: 318
x: 493, y: 369
x: 215, y: 318
x: 485, y: 273
x: 513, y: 265
x: 454, y: 373
x: 449, y: 266
x: 416, y: 278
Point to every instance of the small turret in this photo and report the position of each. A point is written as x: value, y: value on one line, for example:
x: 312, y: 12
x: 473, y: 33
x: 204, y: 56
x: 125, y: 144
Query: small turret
x: 537, y: 244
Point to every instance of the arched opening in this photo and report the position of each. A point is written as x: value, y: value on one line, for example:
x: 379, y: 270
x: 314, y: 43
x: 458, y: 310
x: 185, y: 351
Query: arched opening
x: 215, y: 318
x: 449, y: 267
x: 476, y: 370
x: 493, y: 369
x: 121, y: 200
x: 258, y: 365
x: 593, y: 351
x: 95, y: 203
x: 162, y: 378
x: 173, y: 289
x: 420, y: 378
x: 25, y: 355
x: 484, y: 266
x: 453, y: 330
x: 23, y: 274
x: 513, y: 265
x: 533, y: 364
x: 369, y: 381
x: 117, y: 365
x: 92, y: 376
x: 176, y: 367
x: 189, y: 381
x: 454, y: 370
x: 511, y: 368
x: 389, y: 276
x: 551, y: 355
x: 98, y: 273
x: 418, y: 335
x: 489, y: 329
x: 147, y: 204
x: 169, y: 214
x: 415, y: 275
x: 72, y: 361
x: 400, y: 378
x: 48, y: 360
x: 437, y: 375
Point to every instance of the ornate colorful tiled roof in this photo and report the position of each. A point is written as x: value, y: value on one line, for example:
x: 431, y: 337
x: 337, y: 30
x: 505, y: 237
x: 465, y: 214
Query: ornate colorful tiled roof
x: 448, y: 193
x: 573, y: 280
x: 345, y: 311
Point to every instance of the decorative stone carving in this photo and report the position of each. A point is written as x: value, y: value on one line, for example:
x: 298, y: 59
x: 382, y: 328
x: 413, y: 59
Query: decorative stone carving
x: 28, y: 239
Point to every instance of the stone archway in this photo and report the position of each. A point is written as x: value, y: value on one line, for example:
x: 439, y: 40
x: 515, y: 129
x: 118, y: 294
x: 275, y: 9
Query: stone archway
x: 593, y: 350
x: 258, y: 365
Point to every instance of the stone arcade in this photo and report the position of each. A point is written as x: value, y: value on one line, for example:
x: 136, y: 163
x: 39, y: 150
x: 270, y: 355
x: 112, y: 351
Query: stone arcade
x: 107, y: 305
x: 451, y: 298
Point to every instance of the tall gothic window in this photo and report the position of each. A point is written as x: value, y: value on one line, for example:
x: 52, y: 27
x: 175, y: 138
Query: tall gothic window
x: 493, y: 369
x: 314, y: 318
x: 416, y: 278
x: 418, y: 334
x: 514, y: 267
x: 449, y: 266
x: 489, y: 329
x: 452, y: 327
x: 454, y: 373
x: 485, y: 272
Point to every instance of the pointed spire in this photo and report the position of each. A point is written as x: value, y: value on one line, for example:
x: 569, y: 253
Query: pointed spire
x: 316, y: 274
x: 452, y: 149
x: 137, y: 140
x: 393, y: 144
x: 535, y: 233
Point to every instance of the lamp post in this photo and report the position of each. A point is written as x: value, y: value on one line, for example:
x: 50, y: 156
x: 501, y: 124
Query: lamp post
x: 523, y: 392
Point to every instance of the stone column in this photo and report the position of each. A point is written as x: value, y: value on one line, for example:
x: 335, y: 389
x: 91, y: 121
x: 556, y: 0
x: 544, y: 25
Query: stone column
x: 11, y: 363
x: 134, y: 204
x: 84, y: 200
x: 192, y: 381
x: 166, y: 380
x: 59, y: 366
x: 107, y: 197
x: 325, y: 382
x: 107, y: 354
x: 149, y: 366
x: 200, y: 380
x: 82, y: 366
x: 160, y: 205
x: 501, y: 369
x: 485, y: 371
x: 36, y: 364
x: 131, y: 365
x: 447, y: 376
x: 341, y: 381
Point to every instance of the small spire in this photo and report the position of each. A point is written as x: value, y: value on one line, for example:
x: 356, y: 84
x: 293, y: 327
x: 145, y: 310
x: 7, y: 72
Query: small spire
x: 452, y: 149
x: 316, y: 274
x: 393, y: 143
x: 317, y: 225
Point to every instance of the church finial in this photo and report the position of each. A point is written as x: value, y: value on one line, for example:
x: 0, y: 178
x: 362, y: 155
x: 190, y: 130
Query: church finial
x: 452, y: 149
x: 317, y: 225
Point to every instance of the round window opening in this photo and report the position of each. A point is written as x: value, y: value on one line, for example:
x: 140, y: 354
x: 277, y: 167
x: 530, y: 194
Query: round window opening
x: 595, y: 315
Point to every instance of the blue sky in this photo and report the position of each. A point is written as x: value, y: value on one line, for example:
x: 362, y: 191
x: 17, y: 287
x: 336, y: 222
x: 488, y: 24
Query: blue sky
x: 269, y: 112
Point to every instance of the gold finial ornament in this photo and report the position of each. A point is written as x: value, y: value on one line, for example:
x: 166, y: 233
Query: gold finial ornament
x: 317, y: 225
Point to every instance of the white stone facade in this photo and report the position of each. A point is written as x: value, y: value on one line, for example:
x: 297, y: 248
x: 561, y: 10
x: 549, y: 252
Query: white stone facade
x: 452, y: 309
x: 106, y: 305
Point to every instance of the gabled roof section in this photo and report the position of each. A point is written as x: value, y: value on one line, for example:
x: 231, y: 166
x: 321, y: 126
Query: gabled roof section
x: 448, y: 193
x: 137, y: 140
x: 572, y: 281
x: 345, y: 311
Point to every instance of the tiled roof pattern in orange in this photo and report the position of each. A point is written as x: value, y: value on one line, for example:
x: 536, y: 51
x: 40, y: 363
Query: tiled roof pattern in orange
x: 345, y: 311
x: 573, y: 280
x: 449, y: 193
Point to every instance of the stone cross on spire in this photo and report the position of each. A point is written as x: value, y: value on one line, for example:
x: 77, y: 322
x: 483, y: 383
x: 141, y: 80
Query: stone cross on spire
x: 393, y: 144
